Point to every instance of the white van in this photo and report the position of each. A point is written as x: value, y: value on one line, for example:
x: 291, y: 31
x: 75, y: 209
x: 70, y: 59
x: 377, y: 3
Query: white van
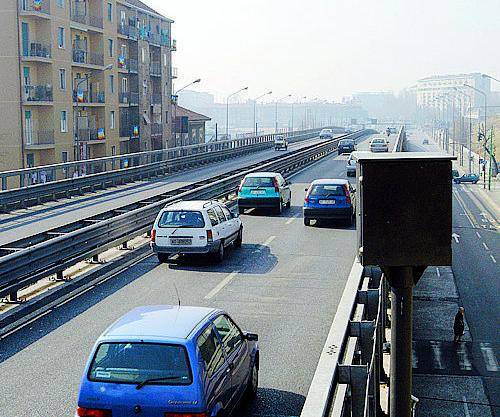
x: 280, y: 142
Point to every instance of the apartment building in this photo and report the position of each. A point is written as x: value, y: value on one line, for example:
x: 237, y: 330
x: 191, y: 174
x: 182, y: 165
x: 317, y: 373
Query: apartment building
x: 83, y: 79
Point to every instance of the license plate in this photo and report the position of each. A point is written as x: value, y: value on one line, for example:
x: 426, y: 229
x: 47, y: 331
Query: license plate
x: 258, y: 192
x: 181, y: 241
x: 326, y: 201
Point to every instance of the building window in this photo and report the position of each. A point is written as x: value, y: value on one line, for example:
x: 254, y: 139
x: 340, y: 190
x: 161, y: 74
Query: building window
x: 110, y: 12
x: 64, y: 121
x: 113, y: 150
x: 143, y: 55
x: 30, y: 160
x: 61, y: 41
x: 112, y: 120
x: 64, y: 156
x: 60, y: 3
x: 164, y: 60
x: 112, y: 83
x: 62, y: 79
x: 110, y: 47
x: 166, y: 117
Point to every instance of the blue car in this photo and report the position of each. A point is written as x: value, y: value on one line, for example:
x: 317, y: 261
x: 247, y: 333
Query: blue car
x: 473, y: 178
x: 329, y: 199
x: 169, y: 361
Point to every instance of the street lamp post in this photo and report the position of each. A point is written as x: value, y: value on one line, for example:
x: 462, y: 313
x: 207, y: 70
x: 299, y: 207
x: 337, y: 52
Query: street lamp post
x: 175, y: 105
x: 227, y: 108
x: 305, y: 112
x: 469, y: 97
x: 276, y: 112
x: 255, y: 110
x: 292, y: 116
x: 485, y: 130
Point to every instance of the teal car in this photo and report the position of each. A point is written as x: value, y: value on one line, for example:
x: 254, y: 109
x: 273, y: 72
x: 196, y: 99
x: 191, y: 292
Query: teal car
x: 264, y: 190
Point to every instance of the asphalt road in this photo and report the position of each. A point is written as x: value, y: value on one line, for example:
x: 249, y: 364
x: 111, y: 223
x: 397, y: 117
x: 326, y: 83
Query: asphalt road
x: 468, y: 372
x: 23, y: 222
x: 284, y: 283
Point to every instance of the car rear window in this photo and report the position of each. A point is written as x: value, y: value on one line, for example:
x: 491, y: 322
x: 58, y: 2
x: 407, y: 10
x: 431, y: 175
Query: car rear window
x: 346, y: 142
x: 132, y: 363
x: 327, y: 190
x: 377, y: 141
x: 258, y: 182
x: 182, y: 218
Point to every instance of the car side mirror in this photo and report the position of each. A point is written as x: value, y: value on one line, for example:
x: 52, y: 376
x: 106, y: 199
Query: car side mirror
x: 252, y: 337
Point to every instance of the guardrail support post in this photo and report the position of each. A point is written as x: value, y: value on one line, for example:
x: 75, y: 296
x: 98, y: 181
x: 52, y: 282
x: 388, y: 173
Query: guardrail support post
x: 356, y: 376
x: 364, y: 330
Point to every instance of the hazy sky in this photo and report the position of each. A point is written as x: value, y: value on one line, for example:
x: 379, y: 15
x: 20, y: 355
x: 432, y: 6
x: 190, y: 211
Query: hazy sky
x: 329, y: 48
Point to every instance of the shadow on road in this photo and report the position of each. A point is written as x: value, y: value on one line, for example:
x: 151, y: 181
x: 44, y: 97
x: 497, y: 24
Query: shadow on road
x: 272, y: 402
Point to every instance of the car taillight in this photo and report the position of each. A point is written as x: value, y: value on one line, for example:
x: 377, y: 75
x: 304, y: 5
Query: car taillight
x: 92, y: 412
x: 276, y: 186
x: 185, y: 415
x: 241, y: 185
x: 347, y: 195
x: 306, y: 199
x: 210, y: 236
x: 153, y: 235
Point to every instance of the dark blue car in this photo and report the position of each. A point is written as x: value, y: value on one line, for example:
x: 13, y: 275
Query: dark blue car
x: 329, y: 199
x: 166, y: 361
x: 473, y: 178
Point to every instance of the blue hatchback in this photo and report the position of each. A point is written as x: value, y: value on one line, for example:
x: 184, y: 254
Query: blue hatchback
x: 329, y: 199
x: 166, y: 361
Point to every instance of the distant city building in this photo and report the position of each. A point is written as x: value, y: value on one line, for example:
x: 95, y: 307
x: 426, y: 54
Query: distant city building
x: 195, y: 99
x: 83, y: 79
x: 382, y: 105
x: 431, y: 91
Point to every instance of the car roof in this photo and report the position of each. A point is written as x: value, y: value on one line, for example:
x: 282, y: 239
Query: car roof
x: 160, y: 321
x: 330, y: 181
x: 262, y: 174
x: 190, y: 205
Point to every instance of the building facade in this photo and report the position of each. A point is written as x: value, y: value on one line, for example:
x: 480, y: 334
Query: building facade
x: 432, y: 92
x: 83, y: 79
x: 189, y: 126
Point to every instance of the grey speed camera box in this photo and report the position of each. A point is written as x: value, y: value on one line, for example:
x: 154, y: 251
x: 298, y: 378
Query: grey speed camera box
x: 404, y: 208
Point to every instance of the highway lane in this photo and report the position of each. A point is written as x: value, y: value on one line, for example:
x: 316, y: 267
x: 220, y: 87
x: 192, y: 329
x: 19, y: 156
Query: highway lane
x: 22, y: 223
x: 284, y: 283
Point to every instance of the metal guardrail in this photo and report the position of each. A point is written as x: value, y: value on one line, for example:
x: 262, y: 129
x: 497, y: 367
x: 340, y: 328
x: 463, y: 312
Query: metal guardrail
x: 36, y: 257
x: 147, y: 165
x: 347, y: 379
x: 400, y: 140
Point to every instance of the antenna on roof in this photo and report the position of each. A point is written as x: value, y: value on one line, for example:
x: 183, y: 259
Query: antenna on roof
x: 177, y: 293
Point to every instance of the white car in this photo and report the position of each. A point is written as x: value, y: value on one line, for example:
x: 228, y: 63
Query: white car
x: 202, y: 227
x: 280, y: 142
x: 379, y: 145
x: 326, y: 134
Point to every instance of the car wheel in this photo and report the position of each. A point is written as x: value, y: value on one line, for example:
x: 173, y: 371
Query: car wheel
x: 253, y: 382
x: 239, y: 239
x: 289, y: 203
x: 279, y: 208
x: 163, y: 257
x: 219, y: 256
x: 307, y: 221
x: 241, y: 210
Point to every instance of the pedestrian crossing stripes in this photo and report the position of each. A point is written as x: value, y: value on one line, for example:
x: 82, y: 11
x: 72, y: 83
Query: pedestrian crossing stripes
x: 447, y: 357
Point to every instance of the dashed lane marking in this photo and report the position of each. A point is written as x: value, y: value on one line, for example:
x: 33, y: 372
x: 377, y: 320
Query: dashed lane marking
x: 438, y: 272
x: 466, y: 406
x: 266, y: 243
x: 486, y: 246
x: 493, y: 259
x: 478, y: 235
x: 489, y: 357
x: 463, y: 358
x: 436, y: 354
x: 291, y: 219
x: 221, y: 285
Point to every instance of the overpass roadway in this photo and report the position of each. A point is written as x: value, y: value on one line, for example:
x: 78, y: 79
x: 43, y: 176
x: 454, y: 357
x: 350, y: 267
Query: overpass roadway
x: 22, y: 223
x: 284, y: 283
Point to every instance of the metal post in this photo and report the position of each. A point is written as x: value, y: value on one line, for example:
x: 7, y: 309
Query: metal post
x: 356, y: 376
x: 401, y: 279
x: 276, y: 118
x: 227, y: 118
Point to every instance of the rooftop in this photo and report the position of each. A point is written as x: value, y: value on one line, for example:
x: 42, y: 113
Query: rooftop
x: 191, y: 115
x: 140, y: 5
x: 189, y: 205
x: 163, y: 321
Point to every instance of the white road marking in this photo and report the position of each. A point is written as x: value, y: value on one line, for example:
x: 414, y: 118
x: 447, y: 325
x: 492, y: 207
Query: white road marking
x: 493, y: 259
x: 466, y: 406
x: 463, y: 358
x: 489, y: 357
x: 291, y: 219
x: 478, y: 235
x: 436, y: 354
x: 221, y: 285
x: 414, y: 359
x: 486, y: 246
x: 266, y: 243
x: 438, y: 272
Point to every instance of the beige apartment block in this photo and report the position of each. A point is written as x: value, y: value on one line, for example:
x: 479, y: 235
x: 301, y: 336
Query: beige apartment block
x: 82, y: 79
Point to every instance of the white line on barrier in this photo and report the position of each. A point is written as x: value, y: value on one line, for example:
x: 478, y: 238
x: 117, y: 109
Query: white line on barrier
x: 221, y: 285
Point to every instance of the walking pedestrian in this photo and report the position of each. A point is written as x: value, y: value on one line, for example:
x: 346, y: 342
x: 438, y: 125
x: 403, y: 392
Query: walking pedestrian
x: 458, y: 325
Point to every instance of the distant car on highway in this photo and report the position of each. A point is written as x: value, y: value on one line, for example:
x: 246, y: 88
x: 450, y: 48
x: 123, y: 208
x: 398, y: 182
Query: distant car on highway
x: 170, y: 361
x: 392, y: 130
x: 280, y: 142
x: 472, y: 178
x: 326, y: 134
x: 350, y: 168
x: 203, y: 227
x: 379, y: 145
x: 346, y: 146
x: 329, y: 199
x: 264, y: 190
x: 425, y: 142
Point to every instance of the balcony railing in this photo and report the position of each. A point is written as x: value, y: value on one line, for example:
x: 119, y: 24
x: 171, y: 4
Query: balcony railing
x: 174, y: 72
x: 127, y: 129
x: 155, y: 98
x: 127, y: 30
x: 38, y: 50
x: 127, y: 64
x: 38, y: 93
x: 174, y: 45
x: 132, y: 65
x: 124, y: 98
x: 155, y: 69
x: 39, y: 137
x: 85, y: 135
x: 40, y: 6
x: 79, y: 13
x: 87, y: 97
x: 156, y: 129
x: 155, y: 38
x: 81, y: 56
x: 134, y: 99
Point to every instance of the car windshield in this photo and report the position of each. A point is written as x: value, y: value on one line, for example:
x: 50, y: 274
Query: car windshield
x: 136, y: 362
x: 258, y: 182
x: 181, y: 218
x: 327, y: 190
